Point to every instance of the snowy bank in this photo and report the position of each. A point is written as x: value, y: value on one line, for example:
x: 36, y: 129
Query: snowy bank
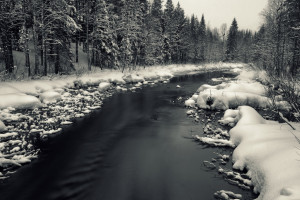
x: 268, y: 150
x: 23, y: 94
x: 245, y: 90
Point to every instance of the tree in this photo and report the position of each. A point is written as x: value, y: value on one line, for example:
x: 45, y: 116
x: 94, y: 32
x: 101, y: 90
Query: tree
x: 181, y: 36
x: 223, y: 32
x: 10, y: 18
x: 168, y: 31
x: 103, y: 37
x: 232, y: 41
x: 194, y: 39
x: 202, y: 39
x: 154, y: 50
x: 293, y: 26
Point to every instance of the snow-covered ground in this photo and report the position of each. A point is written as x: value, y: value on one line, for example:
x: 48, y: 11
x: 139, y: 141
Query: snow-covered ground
x: 40, y: 108
x: 267, y: 150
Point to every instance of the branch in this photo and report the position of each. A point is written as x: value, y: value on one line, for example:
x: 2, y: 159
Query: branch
x: 286, y: 120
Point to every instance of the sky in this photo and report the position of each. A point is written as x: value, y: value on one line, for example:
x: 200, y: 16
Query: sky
x: 217, y: 12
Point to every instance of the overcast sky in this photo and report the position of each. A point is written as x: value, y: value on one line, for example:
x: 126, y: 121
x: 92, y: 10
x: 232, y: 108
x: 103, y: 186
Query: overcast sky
x: 217, y: 12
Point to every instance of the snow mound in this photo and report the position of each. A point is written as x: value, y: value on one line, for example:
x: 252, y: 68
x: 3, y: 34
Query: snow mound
x: 190, y: 103
x: 268, y: 150
x: 133, y: 78
x: 19, y: 101
x: 103, y: 86
x: 244, y: 91
x: 227, y: 195
x: 222, y: 100
x: 50, y: 97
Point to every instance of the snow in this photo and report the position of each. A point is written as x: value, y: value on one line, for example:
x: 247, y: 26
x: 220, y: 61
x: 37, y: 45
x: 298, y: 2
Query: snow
x: 103, y: 86
x: 227, y: 195
x: 6, y: 135
x: 243, y: 91
x: 215, y: 141
x: 50, y: 97
x: 23, y: 95
x: 268, y: 150
x: 19, y: 101
x: 133, y: 78
x: 190, y: 103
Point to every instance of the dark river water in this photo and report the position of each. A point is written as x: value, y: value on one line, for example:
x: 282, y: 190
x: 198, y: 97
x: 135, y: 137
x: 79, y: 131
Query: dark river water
x: 137, y: 147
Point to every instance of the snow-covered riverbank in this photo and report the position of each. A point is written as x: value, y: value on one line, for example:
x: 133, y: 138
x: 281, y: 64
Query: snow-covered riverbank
x: 267, y: 150
x: 40, y: 108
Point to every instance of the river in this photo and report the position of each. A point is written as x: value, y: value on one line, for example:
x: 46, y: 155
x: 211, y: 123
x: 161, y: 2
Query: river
x: 139, y: 146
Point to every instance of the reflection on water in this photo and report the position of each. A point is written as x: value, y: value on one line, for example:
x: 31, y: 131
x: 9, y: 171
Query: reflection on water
x: 135, y: 148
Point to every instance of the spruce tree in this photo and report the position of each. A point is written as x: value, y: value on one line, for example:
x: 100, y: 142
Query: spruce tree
x: 168, y: 31
x: 194, y: 39
x: 103, y: 37
x: 155, y: 39
x: 232, y: 41
x: 202, y: 39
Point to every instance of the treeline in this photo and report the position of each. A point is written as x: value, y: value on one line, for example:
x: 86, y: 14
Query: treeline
x: 276, y: 46
x: 112, y: 33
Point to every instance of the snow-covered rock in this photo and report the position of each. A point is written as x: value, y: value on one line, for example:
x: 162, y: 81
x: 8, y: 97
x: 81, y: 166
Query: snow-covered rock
x: 133, y: 78
x: 103, y: 86
x: 19, y: 101
x: 245, y: 91
x: 222, y: 100
x: 190, y: 103
x: 50, y: 97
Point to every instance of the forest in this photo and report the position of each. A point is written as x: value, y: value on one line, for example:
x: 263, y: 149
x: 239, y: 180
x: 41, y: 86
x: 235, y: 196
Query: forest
x: 122, y: 34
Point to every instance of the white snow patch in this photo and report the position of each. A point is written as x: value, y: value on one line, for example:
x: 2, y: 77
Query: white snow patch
x: 269, y: 151
x: 215, y: 141
x: 19, y: 101
x: 133, y: 78
x: 6, y: 135
x: 50, y: 97
x: 103, y: 86
x: 190, y: 103
x: 227, y: 195
x: 245, y: 91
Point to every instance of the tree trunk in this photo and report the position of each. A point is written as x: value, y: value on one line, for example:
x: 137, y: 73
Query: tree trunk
x: 44, y: 55
x: 57, y: 60
x: 295, y: 60
x: 77, y: 34
x: 87, y: 35
x: 7, y: 51
x: 76, y: 48
x: 44, y: 46
x: 35, y: 44
x: 26, y: 51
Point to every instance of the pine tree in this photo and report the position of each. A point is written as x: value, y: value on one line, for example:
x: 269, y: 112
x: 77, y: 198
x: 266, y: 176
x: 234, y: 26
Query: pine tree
x: 181, y: 37
x: 194, y: 39
x: 168, y: 31
x: 232, y: 41
x: 103, y: 37
x: 155, y: 40
x: 202, y: 39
